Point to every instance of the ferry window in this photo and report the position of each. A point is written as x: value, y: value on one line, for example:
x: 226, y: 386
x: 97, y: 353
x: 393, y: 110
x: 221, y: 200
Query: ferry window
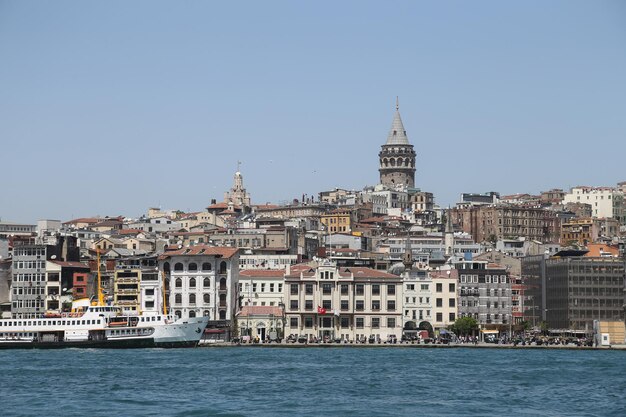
x: 159, y: 318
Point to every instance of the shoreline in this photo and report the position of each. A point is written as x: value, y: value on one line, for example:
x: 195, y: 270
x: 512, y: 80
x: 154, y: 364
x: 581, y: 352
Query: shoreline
x: 410, y: 346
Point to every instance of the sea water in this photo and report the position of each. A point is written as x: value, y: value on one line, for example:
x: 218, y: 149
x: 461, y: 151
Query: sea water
x: 242, y: 381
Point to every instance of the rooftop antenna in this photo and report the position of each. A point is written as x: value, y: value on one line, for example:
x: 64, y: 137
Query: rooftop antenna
x: 397, y: 104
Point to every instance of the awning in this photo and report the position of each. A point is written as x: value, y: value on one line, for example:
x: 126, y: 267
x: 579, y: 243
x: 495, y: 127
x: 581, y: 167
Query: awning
x: 490, y: 331
x: 213, y: 331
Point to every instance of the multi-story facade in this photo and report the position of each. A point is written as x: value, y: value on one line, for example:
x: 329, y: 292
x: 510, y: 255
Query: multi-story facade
x: 136, y: 285
x: 445, y: 287
x: 570, y: 291
x: 484, y: 293
x: 28, y: 284
x: 261, y: 287
x: 492, y: 223
x: 397, y: 157
x: 203, y: 281
x: 324, y: 301
x: 580, y: 231
x: 337, y: 221
x: 604, y: 201
x: 416, y: 304
x: 42, y: 276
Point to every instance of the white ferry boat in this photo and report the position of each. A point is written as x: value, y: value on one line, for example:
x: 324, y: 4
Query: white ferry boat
x: 101, y: 327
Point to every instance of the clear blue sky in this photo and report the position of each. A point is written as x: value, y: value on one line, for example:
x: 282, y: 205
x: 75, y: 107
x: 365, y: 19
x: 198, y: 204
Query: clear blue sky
x: 108, y: 108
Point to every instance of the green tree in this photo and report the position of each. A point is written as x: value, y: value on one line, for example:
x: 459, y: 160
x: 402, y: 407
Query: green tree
x: 464, y: 326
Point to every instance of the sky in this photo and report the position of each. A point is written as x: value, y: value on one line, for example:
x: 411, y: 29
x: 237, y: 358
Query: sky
x: 108, y: 108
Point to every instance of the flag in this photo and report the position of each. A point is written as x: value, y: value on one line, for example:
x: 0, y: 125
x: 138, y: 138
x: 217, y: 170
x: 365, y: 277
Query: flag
x: 321, y: 310
x: 336, y: 312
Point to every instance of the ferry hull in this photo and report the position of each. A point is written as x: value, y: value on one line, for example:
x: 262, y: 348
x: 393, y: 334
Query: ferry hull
x: 102, y: 344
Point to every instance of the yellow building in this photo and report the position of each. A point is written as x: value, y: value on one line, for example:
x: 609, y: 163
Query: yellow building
x: 337, y: 221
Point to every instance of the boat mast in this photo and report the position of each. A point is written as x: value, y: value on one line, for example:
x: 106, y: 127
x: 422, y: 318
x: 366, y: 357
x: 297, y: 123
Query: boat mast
x: 164, y: 299
x: 100, y: 294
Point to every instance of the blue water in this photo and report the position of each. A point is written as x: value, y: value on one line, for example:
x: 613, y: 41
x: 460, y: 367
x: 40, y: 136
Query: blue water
x: 312, y: 382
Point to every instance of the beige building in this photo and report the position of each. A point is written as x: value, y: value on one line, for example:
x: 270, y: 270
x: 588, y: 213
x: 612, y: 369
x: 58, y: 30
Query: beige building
x: 327, y: 302
x: 260, y: 323
x: 261, y: 287
x: 445, y: 286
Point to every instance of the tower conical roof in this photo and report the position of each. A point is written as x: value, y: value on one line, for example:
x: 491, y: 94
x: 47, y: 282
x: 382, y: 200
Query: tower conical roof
x: 397, y: 134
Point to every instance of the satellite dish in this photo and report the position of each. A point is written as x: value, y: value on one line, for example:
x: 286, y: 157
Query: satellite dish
x: 53, y: 257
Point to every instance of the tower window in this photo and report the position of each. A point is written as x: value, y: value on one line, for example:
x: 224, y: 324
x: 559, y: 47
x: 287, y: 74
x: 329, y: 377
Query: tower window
x: 394, y: 132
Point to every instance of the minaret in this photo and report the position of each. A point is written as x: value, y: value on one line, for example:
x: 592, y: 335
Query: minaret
x: 397, y: 157
x: 449, y: 234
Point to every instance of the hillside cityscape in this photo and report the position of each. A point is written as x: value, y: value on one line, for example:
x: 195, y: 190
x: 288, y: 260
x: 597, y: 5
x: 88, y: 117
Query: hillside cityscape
x: 377, y: 265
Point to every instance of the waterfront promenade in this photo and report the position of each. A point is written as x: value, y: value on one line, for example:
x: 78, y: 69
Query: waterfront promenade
x: 480, y: 345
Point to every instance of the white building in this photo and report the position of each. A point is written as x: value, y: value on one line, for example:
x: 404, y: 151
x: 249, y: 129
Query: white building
x: 260, y: 287
x: 604, y: 201
x: 203, y: 281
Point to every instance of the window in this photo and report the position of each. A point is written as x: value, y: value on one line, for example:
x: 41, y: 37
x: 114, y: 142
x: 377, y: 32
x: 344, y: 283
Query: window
x: 326, y: 304
x: 150, y: 291
x: 192, y: 314
x: 178, y: 299
x: 207, y: 298
x: 293, y: 304
x: 451, y: 317
x: 294, y: 289
x: 375, y: 289
x: 360, y: 322
x: 391, y: 322
x: 391, y: 289
x: 178, y: 266
x: 308, y: 322
x: 293, y: 322
x: 193, y: 266
x: 344, y: 289
x: 375, y: 322
x: 206, y: 283
x: 272, y: 287
x: 424, y: 287
x: 391, y: 305
x: 345, y: 322
x: 206, y: 266
x: 192, y: 283
x: 360, y: 289
x: 439, y: 302
x: 439, y: 317
x: 451, y: 287
x: 179, y: 283
x: 327, y: 289
x: 359, y: 305
x: 308, y: 289
x: 344, y: 304
x: 192, y: 298
x: 375, y: 304
x: 451, y: 302
x: 308, y: 305
x: 439, y: 287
